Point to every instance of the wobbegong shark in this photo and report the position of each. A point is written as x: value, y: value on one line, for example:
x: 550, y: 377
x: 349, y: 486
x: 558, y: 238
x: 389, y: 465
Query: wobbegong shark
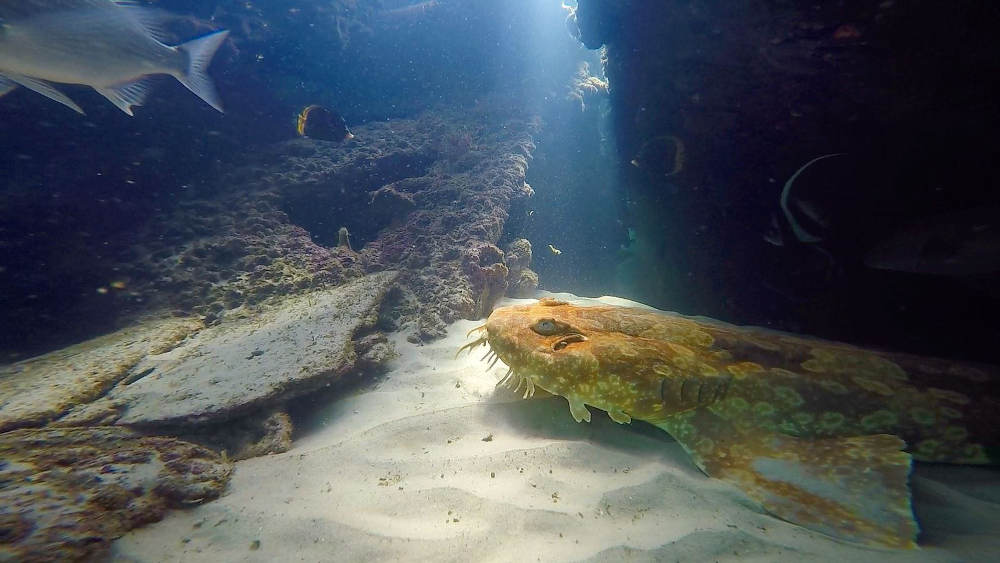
x: 819, y: 433
x: 111, y: 46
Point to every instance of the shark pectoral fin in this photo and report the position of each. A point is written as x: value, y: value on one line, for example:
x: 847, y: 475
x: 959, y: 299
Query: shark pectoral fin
x: 853, y: 489
x: 579, y: 410
x: 154, y: 20
x: 619, y: 416
x: 45, y: 89
x: 127, y: 95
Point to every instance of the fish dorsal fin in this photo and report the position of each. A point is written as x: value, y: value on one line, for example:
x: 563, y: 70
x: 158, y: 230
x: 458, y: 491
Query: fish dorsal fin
x: 45, y: 89
x: 31, y: 8
x: 852, y: 488
x: 153, y: 20
x: 127, y: 95
x: 85, y: 13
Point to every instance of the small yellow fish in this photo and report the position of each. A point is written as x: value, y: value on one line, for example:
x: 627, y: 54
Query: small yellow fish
x: 554, y: 250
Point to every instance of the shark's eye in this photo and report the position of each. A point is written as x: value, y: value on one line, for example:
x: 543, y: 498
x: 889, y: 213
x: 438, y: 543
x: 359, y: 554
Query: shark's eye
x: 547, y: 327
x: 567, y: 340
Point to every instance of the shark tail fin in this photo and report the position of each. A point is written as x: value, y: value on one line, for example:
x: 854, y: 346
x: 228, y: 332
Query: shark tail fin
x: 855, y: 489
x: 200, y: 52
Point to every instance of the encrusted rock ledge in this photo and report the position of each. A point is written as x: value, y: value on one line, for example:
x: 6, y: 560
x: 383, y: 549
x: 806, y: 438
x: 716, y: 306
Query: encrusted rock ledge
x: 426, y: 196
x: 67, y: 492
x: 278, y: 282
x: 72, y: 486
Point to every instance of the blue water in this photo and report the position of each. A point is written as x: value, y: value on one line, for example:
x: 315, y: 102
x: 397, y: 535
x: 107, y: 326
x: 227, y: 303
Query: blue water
x: 664, y: 190
x: 77, y: 188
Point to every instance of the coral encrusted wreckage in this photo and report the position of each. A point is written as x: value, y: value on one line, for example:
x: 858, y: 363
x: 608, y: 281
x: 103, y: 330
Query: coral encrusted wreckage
x: 426, y: 196
x: 278, y: 281
x: 67, y: 492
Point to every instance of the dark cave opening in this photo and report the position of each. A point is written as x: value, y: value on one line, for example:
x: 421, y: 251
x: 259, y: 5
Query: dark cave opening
x: 348, y: 200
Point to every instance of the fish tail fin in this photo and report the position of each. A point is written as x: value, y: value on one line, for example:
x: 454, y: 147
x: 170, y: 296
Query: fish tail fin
x: 855, y: 489
x: 200, y: 52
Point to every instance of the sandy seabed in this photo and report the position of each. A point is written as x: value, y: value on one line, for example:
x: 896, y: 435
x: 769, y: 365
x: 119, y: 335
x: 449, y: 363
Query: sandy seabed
x: 433, y: 463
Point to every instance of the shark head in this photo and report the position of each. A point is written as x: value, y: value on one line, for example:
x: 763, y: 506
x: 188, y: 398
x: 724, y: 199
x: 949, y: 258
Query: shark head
x: 545, y: 345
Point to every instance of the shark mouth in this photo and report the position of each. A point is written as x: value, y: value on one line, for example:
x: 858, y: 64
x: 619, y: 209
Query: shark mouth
x: 512, y: 379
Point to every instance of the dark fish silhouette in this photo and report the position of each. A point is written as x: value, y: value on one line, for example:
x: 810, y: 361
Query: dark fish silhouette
x: 317, y: 122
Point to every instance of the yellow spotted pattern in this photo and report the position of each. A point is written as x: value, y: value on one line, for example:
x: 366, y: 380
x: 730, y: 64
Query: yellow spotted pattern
x: 744, y: 369
x: 639, y: 364
x: 948, y: 395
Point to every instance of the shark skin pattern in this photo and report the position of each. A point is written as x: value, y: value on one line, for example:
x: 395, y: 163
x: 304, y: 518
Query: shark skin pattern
x: 820, y: 433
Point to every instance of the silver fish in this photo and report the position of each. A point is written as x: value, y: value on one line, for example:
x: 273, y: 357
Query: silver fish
x: 113, y: 47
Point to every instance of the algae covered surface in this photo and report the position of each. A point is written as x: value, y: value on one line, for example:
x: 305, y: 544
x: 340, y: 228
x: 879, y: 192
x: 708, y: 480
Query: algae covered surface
x: 68, y: 492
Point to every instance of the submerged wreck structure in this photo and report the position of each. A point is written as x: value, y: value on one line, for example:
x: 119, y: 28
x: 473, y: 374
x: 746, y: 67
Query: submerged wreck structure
x: 196, y: 380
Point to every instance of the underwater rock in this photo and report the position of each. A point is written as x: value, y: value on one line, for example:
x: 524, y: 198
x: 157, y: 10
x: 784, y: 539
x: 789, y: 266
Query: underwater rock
x: 37, y: 390
x: 248, y: 253
x: 68, y: 492
x: 488, y: 276
x: 388, y: 203
x: 255, y: 435
x: 445, y: 246
x: 523, y: 285
x: 287, y: 349
x: 518, y: 255
x: 268, y: 225
x: 494, y: 285
x: 270, y: 229
x: 521, y: 281
x: 458, y: 212
x: 373, y: 351
x: 429, y: 327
